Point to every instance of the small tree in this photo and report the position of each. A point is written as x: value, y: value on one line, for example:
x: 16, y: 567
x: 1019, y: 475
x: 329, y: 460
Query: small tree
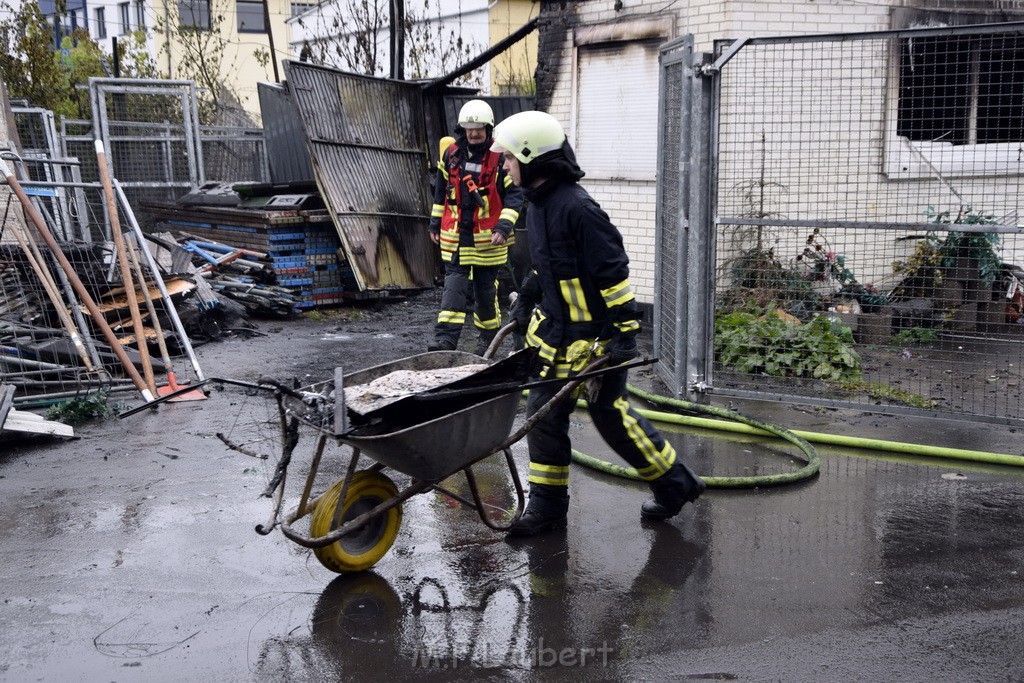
x: 362, y: 26
x: 204, y: 56
x: 30, y: 64
x: 55, y: 79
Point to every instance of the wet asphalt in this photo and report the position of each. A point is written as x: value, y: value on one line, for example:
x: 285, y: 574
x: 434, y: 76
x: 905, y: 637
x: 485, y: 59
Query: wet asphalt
x: 129, y: 554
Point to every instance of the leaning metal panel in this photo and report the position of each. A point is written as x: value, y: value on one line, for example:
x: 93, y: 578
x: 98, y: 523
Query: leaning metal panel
x: 869, y: 225
x: 368, y: 147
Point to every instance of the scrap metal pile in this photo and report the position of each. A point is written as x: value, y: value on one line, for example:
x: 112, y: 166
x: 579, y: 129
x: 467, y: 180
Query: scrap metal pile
x: 84, y: 305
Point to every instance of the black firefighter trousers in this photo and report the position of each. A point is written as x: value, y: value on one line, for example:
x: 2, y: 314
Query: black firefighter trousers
x: 629, y: 434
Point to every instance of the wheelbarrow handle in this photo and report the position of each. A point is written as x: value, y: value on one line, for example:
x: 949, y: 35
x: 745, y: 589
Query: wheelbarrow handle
x: 509, y: 387
x: 499, y: 337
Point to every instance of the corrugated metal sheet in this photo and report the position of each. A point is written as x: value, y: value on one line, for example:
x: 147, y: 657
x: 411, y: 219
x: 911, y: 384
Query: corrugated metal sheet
x: 366, y: 140
x: 286, y: 145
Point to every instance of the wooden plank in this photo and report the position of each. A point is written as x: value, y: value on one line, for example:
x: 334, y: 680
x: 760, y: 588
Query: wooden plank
x: 30, y: 423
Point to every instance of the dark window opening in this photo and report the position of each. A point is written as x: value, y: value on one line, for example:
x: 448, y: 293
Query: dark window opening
x: 962, y: 89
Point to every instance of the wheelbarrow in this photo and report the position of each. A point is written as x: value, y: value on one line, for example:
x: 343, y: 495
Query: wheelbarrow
x: 428, y: 436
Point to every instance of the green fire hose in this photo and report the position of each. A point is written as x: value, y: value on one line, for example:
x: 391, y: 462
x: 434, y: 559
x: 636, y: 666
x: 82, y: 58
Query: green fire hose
x: 736, y: 422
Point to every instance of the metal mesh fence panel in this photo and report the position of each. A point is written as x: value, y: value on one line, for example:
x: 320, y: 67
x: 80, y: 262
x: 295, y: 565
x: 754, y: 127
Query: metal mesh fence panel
x: 869, y: 233
x: 669, y: 204
x: 233, y: 154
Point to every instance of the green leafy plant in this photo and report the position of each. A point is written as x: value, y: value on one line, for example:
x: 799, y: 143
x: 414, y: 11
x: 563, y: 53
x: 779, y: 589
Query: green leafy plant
x: 757, y: 341
x: 914, y: 335
x: 939, y: 250
x: 79, y: 410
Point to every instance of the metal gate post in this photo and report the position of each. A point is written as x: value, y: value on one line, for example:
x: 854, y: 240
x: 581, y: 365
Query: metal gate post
x: 698, y: 244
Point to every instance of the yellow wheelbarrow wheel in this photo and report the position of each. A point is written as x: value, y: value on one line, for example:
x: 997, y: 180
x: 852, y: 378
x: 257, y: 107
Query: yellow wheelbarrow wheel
x: 363, y: 547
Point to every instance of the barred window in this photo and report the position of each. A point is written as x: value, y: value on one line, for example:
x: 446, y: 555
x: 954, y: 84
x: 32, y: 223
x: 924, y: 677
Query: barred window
x: 956, y: 101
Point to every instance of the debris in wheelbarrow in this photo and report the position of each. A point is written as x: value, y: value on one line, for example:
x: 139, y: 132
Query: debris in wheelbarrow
x: 366, y: 398
x: 406, y: 411
x: 318, y: 405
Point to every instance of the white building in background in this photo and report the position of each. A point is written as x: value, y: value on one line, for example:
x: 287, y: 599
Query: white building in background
x: 444, y: 35
x: 107, y: 21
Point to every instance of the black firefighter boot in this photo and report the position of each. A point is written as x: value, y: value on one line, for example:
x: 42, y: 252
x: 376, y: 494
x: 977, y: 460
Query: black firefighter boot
x: 486, y: 337
x: 546, y: 511
x: 672, y: 491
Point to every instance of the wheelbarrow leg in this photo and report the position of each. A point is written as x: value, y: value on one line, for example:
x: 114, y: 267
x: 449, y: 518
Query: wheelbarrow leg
x: 520, y: 496
x: 344, y: 487
x: 321, y: 442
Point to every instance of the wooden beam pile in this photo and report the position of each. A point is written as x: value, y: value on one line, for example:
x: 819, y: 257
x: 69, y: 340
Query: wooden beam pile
x: 297, y: 249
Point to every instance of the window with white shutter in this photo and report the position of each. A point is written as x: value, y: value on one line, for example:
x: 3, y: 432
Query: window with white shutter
x: 616, y: 113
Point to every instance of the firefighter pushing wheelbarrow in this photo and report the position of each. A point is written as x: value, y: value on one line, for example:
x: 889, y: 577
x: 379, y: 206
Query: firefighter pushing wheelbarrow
x: 391, y: 423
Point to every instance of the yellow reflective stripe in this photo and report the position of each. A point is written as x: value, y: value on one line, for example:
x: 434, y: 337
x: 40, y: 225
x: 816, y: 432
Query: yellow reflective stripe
x: 557, y: 469
x: 544, y: 350
x: 457, y: 317
x: 638, y: 436
x: 559, y: 370
x: 443, y: 169
x: 492, y: 324
x: 560, y: 481
x: 572, y: 293
x: 495, y: 256
x: 437, y: 210
x: 616, y: 295
x: 557, y: 475
x: 648, y: 473
x: 508, y: 180
x: 627, y: 325
x: 485, y: 210
x: 510, y: 215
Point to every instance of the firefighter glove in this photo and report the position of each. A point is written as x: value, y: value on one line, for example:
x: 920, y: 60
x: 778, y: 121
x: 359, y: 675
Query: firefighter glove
x: 622, y: 348
x: 520, y: 312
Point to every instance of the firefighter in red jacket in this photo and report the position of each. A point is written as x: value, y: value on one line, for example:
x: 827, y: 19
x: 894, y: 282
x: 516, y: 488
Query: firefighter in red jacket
x: 578, y: 295
x: 475, y: 208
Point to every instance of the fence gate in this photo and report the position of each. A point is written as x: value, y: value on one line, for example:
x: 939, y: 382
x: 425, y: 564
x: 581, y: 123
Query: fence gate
x: 839, y: 221
x: 150, y: 130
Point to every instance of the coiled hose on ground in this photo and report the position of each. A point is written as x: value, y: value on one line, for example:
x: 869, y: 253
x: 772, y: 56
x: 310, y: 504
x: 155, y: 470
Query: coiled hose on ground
x: 741, y: 423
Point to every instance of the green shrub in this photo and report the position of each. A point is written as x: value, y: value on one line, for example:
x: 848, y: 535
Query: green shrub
x: 760, y: 342
x: 79, y: 410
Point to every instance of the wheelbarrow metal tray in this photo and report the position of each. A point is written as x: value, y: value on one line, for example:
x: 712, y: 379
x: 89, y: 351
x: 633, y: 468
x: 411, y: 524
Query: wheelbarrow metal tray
x: 438, y: 447
x: 435, y: 450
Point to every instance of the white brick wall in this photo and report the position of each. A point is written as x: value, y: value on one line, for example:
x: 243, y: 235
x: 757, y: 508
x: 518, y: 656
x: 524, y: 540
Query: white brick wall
x: 631, y: 205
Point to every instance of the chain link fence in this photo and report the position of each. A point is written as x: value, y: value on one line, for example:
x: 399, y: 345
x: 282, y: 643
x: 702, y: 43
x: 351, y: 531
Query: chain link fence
x: 865, y: 206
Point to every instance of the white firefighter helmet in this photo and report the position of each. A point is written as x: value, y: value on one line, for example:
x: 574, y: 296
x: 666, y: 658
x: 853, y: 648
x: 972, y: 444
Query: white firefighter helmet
x: 476, y: 114
x: 528, y: 135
